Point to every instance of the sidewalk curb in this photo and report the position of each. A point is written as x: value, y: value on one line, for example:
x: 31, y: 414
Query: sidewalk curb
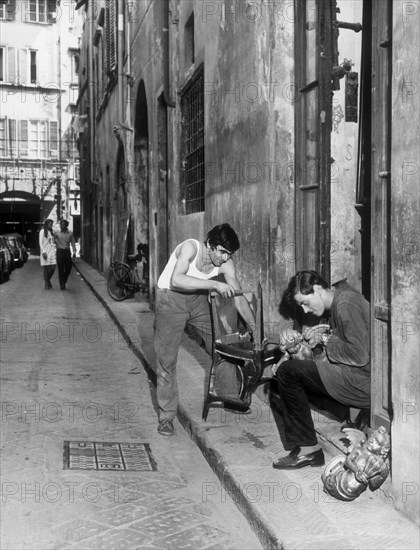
x: 213, y: 457
x: 221, y: 468
x: 281, y: 527
x: 137, y: 352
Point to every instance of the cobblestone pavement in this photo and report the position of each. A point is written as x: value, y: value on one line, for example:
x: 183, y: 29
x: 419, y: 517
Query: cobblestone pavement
x: 66, y: 374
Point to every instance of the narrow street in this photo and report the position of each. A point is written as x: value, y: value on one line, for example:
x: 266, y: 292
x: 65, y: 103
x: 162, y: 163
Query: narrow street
x: 67, y: 375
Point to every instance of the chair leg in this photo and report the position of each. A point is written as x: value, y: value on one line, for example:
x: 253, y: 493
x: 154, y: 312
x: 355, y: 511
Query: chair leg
x: 210, y: 388
x: 206, y: 407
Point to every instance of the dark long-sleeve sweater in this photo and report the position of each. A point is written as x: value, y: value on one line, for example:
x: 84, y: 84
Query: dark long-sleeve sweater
x: 345, y: 366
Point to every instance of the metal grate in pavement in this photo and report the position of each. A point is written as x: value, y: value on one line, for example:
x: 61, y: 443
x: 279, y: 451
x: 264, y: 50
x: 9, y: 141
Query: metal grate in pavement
x: 107, y: 456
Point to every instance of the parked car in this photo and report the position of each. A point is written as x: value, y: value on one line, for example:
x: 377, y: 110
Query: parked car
x: 2, y: 267
x: 8, y: 264
x: 24, y: 253
x: 16, y: 251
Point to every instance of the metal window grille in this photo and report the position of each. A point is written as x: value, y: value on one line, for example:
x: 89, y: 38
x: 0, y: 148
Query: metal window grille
x: 193, y: 181
x: 111, y: 35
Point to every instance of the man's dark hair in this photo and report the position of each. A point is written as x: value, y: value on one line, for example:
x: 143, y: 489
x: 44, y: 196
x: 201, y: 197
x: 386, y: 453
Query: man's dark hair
x: 302, y: 282
x: 223, y: 235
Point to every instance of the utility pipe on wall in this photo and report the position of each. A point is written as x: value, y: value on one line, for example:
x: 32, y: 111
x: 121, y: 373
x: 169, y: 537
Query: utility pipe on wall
x: 120, y: 61
x: 164, y: 4
x: 91, y: 91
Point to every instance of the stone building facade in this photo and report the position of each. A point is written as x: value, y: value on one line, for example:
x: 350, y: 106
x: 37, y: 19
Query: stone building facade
x: 292, y: 120
x: 39, y: 159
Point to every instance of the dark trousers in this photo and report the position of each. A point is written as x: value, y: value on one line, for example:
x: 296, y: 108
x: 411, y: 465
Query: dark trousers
x: 64, y: 265
x: 48, y: 273
x: 299, y: 384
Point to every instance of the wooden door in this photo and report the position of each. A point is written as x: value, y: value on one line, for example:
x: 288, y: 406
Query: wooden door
x: 380, y: 211
x: 313, y: 134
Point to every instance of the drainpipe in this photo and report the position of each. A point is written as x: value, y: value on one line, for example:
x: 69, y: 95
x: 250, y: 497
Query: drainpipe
x: 60, y: 134
x: 91, y: 91
x: 88, y: 240
x: 120, y: 42
x: 128, y: 73
x: 166, y: 52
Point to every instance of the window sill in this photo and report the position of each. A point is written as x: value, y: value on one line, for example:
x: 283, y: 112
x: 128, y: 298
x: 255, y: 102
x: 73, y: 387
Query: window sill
x: 35, y: 87
x: 42, y: 23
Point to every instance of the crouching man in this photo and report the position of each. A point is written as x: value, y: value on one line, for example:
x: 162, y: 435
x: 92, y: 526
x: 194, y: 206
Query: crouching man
x: 182, y: 296
x: 341, y: 372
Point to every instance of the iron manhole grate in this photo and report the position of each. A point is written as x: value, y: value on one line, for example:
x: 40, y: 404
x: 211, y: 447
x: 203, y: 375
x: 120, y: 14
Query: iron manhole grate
x: 108, y: 456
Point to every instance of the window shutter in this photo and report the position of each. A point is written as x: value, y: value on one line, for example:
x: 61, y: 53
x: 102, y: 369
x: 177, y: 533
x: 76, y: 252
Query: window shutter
x: 52, y: 11
x: 111, y: 35
x: 23, y: 67
x: 11, y: 65
x: 12, y: 138
x: 42, y: 15
x: 54, y: 139
x: 23, y: 138
x: 33, y: 72
x: 11, y: 10
x: 2, y: 64
x: 3, y: 142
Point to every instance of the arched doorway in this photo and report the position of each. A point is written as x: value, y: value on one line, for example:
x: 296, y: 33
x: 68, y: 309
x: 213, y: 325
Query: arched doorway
x: 23, y: 212
x: 141, y: 174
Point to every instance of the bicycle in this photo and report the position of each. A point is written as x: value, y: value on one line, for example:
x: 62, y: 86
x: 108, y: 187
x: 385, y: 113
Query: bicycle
x: 124, y: 280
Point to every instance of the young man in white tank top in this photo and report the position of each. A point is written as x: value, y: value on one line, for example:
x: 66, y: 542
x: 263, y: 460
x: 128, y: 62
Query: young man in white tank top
x: 182, y: 296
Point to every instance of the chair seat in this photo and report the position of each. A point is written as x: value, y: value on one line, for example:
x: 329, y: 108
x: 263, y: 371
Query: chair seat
x: 236, y: 358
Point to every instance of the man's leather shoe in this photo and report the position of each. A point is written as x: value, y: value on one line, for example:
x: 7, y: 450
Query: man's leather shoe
x: 166, y: 427
x: 295, y: 460
x: 237, y: 409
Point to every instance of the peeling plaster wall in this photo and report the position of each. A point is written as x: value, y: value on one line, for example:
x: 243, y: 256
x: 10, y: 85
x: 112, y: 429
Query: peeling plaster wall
x: 143, y: 65
x: 345, y: 221
x: 405, y: 308
x: 247, y: 51
x: 146, y: 178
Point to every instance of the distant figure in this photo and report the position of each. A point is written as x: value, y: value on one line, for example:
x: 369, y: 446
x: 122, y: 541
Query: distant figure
x: 64, y: 238
x: 48, y: 252
x: 143, y: 258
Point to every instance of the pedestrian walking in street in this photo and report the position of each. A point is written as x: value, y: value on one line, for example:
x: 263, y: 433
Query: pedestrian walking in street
x: 341, y: 373
x: 48, y: 252
x: 64, y: 239
x: 182, y: 296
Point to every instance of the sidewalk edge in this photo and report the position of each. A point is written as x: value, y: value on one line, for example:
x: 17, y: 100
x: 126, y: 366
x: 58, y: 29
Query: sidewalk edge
x: 137, y: 352
x: 215, y: 460
x: 221, y: 468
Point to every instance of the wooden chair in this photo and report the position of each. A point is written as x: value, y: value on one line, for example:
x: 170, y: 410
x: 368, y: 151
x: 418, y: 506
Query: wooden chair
x: 235, y: 351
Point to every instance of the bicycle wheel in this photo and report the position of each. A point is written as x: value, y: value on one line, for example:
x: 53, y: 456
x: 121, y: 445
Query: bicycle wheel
x: 119, y: 277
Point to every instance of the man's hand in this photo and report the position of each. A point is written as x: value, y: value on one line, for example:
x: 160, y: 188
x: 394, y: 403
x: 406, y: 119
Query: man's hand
x: 316, y: 335
x: 225, y: 290
x: 274, y: 368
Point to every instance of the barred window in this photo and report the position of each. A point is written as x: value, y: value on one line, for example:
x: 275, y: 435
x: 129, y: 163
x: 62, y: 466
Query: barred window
x: 111, y: 35
x: 193, y: 173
